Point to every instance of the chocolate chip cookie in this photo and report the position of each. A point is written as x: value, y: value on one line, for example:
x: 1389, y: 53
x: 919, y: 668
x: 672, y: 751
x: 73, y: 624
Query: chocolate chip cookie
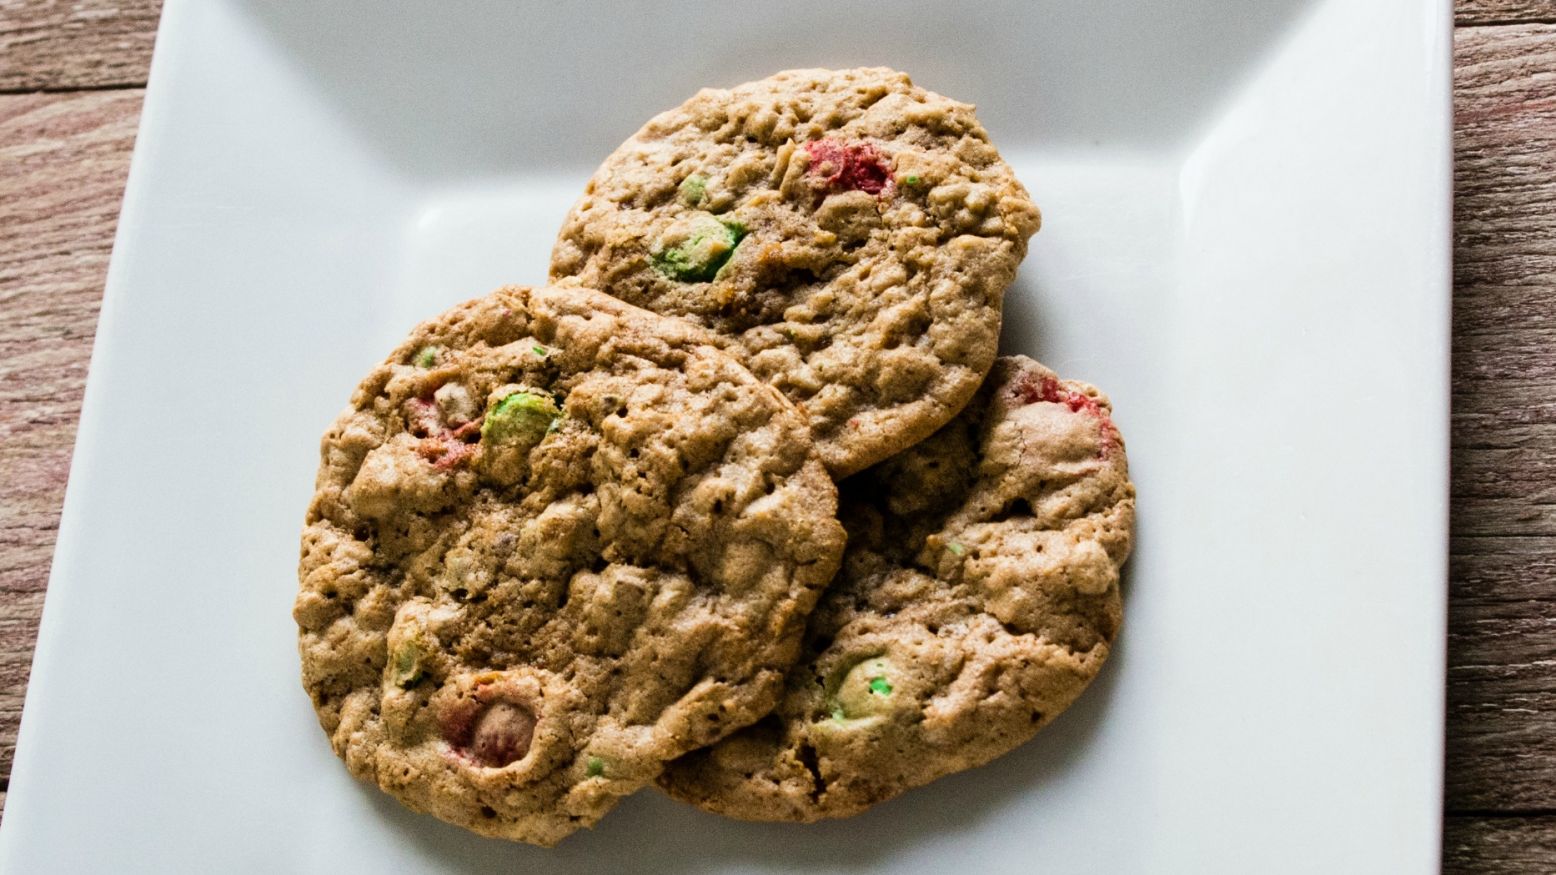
x: 557, y: 541
x: 979, y: 595
x: 848, y: 234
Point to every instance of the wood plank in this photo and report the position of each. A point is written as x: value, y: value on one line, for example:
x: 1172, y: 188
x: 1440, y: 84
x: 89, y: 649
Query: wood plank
x: 62, y: 44
x: 1501, y: 705
x: 1507, y: 845
x: 61, y: 172
x: 1505, y: 127
x: 1501, y: 729
x: 1492, y: 571
x: 1474, y: 12
x: 63, y: 161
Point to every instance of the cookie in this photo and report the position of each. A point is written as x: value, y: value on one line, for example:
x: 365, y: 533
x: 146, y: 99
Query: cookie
x: 556, y: 542
x: 979, y: 595
x: 850, y: 235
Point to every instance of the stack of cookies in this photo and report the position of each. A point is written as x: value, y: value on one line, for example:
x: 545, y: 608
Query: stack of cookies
x: 743, y: 504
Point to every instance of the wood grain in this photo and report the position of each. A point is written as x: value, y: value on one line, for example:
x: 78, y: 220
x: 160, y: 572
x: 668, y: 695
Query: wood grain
x: 52, y: 45
x: 1472, y: 12
x: 1501, y: 744
x: 1508, y: 845
x: 63, y: 161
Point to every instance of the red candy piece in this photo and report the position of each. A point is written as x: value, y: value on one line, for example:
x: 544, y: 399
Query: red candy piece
x: 489, y: 729
x: 422, y: 416
x: 502, y: 734
x: 853, y: 166
x: 444, y: 453
x: 1030, y: 389
x: 443, y: 447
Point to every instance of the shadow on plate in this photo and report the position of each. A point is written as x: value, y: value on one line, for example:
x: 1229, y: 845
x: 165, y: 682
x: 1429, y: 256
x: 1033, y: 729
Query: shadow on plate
x: 649, y: 833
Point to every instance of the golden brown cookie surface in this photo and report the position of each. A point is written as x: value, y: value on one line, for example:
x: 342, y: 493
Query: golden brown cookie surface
x: 850, y: 236
x: 978, y: 597
x: 556, y: 542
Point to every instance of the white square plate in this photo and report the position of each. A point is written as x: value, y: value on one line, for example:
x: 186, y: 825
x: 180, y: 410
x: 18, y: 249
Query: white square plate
x: 1246, y: 244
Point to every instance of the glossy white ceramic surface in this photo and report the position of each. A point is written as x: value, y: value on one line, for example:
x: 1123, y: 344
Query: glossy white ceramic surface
x: 1246, y: 243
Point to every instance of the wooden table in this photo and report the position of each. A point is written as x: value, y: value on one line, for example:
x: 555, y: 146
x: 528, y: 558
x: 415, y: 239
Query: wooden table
x: 72, y: 76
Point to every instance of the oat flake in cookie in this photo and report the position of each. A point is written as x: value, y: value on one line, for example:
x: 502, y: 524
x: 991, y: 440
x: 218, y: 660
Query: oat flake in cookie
x: 556, y: 542
x: 978, y: 596
x: 850, y: 235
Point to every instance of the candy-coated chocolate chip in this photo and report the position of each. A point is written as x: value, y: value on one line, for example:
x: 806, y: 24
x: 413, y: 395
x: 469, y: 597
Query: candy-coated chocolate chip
x: 423, y: 417
x: 864, y: 690
x: 1032, y: 388
x: 519, y: 418
x: 595, y: 767
x: 407, y: 664
x: 694, y: 188
x: 502, y: 734
x: 848, y: 166
x: 694, y: 251
x: 427, y: 356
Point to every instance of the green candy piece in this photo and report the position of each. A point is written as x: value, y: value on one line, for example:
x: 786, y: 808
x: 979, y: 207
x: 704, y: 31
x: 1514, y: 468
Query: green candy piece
x: 956, y: 549
x: 595, y: 767
x: 407, y: 664
x: 694, y: 188
x: 427, y: 356
x: 708, y: 244
x: 522, y: 417
x: 862, y: 691
x: 539, y: 350
x: 913, y: 179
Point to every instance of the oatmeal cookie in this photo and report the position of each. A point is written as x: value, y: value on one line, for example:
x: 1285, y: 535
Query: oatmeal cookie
x: 849, y: 235
x: 556, y: 542
x: 979, y: 595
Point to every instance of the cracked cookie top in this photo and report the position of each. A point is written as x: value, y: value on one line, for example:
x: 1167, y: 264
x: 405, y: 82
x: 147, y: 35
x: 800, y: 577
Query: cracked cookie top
x: 848, y: 235
x: 979, y: 595
x: 556, y: 542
